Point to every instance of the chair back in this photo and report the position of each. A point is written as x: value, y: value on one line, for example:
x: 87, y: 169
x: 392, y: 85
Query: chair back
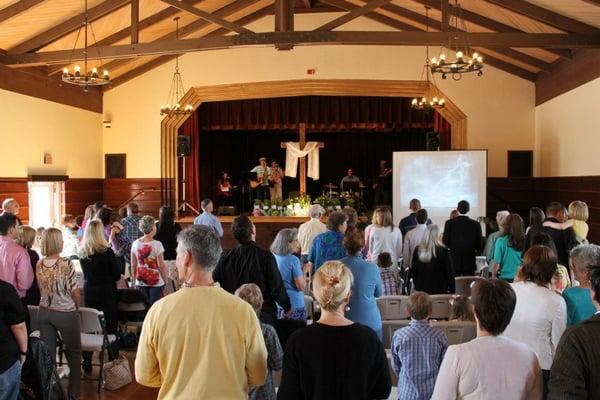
x: 441, y: 306
x: 464, y: 283
x: 457, y: 332
x: 392, y: 307
x: 308, y: 304
x: 33, y: 317
x: 92, y: 320
x: 389, y: 327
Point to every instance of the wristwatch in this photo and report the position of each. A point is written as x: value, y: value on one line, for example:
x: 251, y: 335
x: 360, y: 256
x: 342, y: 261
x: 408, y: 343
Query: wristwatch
x: 22, y: 353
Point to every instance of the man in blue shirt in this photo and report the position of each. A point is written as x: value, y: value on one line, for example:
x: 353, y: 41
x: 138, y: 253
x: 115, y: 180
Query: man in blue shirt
x: 418, y: 351
x: 208, y: 219
x: 410, y: 222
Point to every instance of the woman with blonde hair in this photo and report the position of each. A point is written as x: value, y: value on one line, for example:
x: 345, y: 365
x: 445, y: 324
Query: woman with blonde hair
x: 101, y: 273
x: 578, y: 216
x: 26, y: 239
x: 432, y: 270
x: 384, y: 236
x: 60, y: 298
x: 316, y: 357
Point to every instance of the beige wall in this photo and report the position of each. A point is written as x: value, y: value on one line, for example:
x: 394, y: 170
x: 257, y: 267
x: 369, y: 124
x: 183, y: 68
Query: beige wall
x: 32, y: 127
x: 499, y: 106
x: 567, y: 129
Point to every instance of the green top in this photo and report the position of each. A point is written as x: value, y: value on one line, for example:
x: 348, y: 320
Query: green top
x: 508, y: 258
x: 579, y: 304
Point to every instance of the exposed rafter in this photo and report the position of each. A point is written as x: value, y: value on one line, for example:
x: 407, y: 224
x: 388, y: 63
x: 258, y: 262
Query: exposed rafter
x: 349, y: 16
x: 17, y: 8
x: 308, y: 3
x: 546, y: 16
x: 70, y: 25
x: 135, y: 21
x: 593, y: 2
x: 207, y: 16
x: 284, y: 20
x: 164, y: 59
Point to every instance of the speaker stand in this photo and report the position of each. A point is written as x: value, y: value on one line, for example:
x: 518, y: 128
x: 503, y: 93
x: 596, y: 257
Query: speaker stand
x: 184, y: 204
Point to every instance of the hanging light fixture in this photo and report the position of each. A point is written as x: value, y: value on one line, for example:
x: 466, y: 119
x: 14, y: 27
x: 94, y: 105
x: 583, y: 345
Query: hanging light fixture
x: 432, y: 99
x: 86, y: 78
x: 172, y: 106
x: 465, y: 60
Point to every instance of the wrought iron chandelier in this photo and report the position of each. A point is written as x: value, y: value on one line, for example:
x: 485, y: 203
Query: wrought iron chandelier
x: 172, y: 106
x: 465, y: 60
x: 432, y: 99
x: 86, y: 78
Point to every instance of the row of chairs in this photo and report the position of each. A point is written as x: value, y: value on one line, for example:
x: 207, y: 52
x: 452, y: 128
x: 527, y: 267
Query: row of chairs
x: 456, y: 331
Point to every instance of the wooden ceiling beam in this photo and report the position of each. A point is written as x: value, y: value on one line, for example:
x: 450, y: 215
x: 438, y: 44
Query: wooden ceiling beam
x: 284, y: 20
x: 593, y: 2
x: 70, y: 25
x: 351, y: 15
x: 308, y: 3
x: 17, y: 8
x: 490, y: 24
x: 546, y: 16
x: 164, y: 59
x: 163, y: 47
x: 135, y: 21
x: 212, y: 18
x: 190, y: 28
x: 445, y: 9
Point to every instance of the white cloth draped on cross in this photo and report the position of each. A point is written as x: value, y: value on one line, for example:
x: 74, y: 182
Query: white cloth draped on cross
x: 293, y: 153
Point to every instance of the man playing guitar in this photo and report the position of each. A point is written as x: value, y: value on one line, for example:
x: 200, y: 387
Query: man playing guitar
x: 261, y: 185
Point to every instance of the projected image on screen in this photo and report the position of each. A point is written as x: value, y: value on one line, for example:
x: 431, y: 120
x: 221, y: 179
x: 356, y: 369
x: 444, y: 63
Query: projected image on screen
x: 440, y: 179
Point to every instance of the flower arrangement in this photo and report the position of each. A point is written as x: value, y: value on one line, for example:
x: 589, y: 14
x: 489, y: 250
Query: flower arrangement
x: 292, y: 207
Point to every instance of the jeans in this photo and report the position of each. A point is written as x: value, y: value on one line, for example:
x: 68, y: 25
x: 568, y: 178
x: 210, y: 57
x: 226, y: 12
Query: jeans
x: 154, y: 293
x: 10, y: 381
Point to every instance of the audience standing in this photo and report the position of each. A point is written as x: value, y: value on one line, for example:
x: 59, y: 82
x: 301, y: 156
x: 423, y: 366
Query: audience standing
x: 432, y: 270
x: 508, y: 249
x: 418, y: 351
x: 59, y: 304
x: 385, y: 237
x: 409, y: 222
x: 536, y: 225
x: 540, y: 315
x: 70, y: 240
x: 309, y: 230
x: 492, y: 365
x: 250, y: 293
x: 578, y: 216
x: 488, y: 249
x: 574, y: 373
x: 13, y: 341
x: 334, y: 358
x: 26, y: 238
x: 413, y: 238
x: 560, y: 280
x: 167, y: 232
x: 584, y: 258
x: 147, y: 261
x: 462, y: 236
x: 208, y: 219
x: 367, y: 284
x: 564, y: 239
x: 389, y: 275
x: 224, y: 352
x: 328, y: 245
x: 283, y: 248
x: 11, y: 206
x: 248, y: 263
x: 15, y: 264
x: 461, y: 309
x: 131, y: 231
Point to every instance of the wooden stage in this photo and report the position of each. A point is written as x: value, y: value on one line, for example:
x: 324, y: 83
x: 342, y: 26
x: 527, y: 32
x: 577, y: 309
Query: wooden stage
x: 266, y: 228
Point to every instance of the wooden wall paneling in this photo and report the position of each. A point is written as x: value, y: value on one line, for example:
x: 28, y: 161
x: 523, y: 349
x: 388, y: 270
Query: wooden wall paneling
x: 117, y: 191
x: 80, y: 193
x: 18, y: 189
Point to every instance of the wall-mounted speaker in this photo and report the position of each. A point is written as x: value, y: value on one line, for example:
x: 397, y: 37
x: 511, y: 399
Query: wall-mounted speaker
x: 520, y: 163
x: 432, y: 141
x: 183, y: 146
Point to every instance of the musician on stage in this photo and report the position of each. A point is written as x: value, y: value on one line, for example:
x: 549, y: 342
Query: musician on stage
x: 349, y: 178
x: 276, y: 178
x: 224, y: 188
x: 262, y: 176
x: 381, y: 185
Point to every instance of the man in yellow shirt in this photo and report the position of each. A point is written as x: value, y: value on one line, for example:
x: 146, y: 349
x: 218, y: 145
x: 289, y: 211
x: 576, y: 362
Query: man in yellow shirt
x: 201, y: 342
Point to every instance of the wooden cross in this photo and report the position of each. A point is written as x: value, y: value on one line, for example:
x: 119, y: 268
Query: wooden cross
x: 320, y: 145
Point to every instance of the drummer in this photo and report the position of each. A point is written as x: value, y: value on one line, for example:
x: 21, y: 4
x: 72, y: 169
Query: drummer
x: 350, y: 177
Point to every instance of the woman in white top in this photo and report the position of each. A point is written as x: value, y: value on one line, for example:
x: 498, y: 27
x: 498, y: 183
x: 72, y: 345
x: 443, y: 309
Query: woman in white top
x: 384, y: 237
x: 540, y: 317
x: 491, y: 366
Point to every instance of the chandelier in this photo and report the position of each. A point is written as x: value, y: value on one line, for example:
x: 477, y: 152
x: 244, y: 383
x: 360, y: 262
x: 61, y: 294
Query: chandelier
x: 86, y: 78
x: 433, y: 99
x: 465, y: 60
x: 172, y: 106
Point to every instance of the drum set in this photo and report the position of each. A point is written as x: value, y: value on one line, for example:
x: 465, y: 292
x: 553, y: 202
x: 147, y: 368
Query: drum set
x: 349, y: 197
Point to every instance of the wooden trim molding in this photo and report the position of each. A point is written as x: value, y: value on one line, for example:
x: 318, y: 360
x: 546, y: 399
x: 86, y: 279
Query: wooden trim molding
x: 261, y: 90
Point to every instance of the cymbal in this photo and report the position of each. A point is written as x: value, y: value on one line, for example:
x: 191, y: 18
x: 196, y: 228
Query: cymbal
x: 330, y: 186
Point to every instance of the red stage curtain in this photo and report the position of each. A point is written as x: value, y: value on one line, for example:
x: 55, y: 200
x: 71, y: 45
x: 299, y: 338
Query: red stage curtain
x: 444, y: 128
x: 191, y: 128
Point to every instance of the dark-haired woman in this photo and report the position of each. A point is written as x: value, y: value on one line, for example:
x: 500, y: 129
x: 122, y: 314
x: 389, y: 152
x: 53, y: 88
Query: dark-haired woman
x: 167, y: 231
x: 540, y: 317
x: 508, y: 249
x: 536, y: 225
x: 224, y: 189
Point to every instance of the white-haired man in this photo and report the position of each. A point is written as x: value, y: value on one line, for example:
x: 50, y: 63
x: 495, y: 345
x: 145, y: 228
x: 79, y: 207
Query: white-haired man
x: 491, y: 239
x: 309, y: 230
x: 201, y: 342
x: 11, y: 206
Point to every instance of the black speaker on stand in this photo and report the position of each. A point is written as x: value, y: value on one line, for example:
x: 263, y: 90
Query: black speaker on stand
x: 183, y: 146
x: 183, y: 151
x: 432, y: 141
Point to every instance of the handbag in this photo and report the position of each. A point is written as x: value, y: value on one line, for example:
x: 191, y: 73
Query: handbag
x: 116, y: 373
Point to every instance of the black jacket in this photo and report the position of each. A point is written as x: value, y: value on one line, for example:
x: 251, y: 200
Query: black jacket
x: 462, y: 236
x: 564, y: 240
x: 575, y: 370
x: 248, y: 263
x: 436, y: 276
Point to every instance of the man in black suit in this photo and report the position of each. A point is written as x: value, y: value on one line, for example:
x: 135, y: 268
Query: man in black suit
x: 563, y: 239
x: 462, y: 236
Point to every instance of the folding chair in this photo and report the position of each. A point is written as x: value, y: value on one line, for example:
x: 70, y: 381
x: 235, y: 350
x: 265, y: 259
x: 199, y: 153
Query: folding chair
x: 457, y: 332
x: 441, y: 306
x: 94, y: 337
x: 464, y: 283
x: 392, y: 307
x: 389, y: 327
